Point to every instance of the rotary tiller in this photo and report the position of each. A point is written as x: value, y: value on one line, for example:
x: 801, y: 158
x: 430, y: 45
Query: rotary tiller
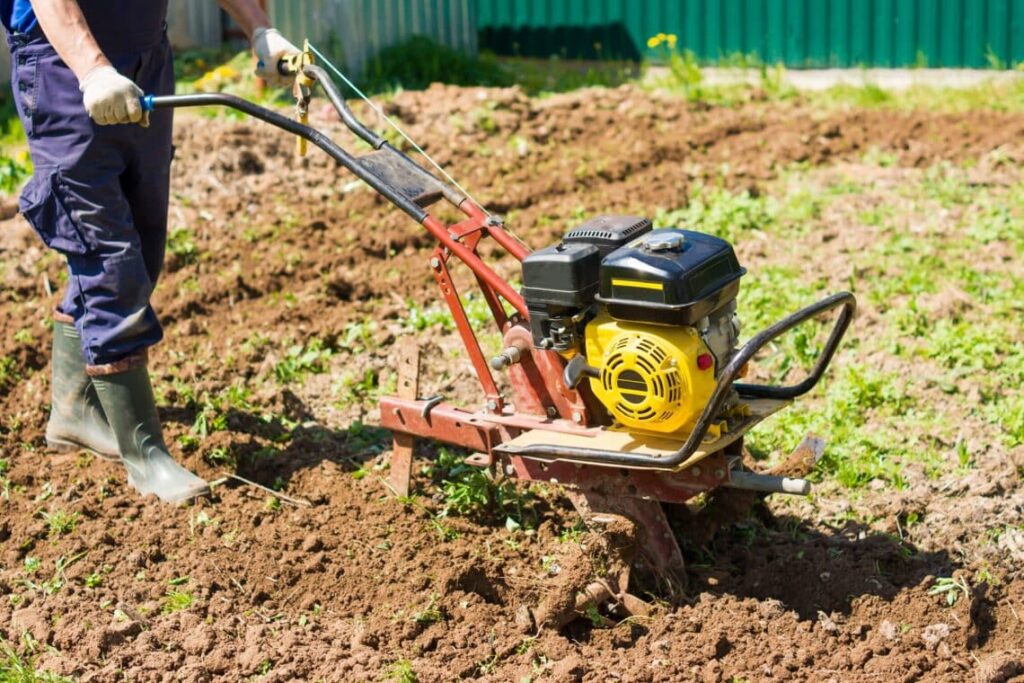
x: 622, y: 353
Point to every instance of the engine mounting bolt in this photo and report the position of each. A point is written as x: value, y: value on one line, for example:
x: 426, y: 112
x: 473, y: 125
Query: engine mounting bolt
x: 695, y: 471
x: 552, y: 411
x: 435, y: 263
x: 509, y: 470
x: 492, y: 404
x: 719, y: 473
x: 577, y: 418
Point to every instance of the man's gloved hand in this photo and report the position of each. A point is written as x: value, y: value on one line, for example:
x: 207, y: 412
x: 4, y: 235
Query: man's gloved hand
x: 111, y: 98
x: 270, y: 47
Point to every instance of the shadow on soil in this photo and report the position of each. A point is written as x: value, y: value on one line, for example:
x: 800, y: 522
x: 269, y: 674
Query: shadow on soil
x: 810, y: 570
x: 294, y: 447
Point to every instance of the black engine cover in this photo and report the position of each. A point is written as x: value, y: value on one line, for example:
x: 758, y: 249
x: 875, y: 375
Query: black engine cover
x: 559, y: 283
x: 669, y: 276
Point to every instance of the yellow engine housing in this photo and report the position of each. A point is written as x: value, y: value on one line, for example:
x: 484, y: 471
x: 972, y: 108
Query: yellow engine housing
x: 650, y: 379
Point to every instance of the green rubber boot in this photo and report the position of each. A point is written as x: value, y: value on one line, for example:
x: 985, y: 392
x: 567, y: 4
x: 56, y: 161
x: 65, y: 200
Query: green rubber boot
x: 77, y: 420
x: 127, y: 399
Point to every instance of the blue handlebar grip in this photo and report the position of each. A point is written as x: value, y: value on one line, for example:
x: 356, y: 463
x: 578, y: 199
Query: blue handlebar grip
x: 147, y: 102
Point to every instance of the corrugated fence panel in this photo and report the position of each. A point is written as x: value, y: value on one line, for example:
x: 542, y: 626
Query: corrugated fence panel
x: 798, y: 33
x: 5, y: 64
x: 194, y: 23
x: 355, y: 30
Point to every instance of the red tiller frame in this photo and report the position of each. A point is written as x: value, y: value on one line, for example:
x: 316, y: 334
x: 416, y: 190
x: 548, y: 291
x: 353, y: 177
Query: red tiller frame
x: 546, y: 391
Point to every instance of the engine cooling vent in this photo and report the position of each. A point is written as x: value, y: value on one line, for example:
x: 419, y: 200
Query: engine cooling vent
x: 640, y: 374
x: 608, y: 233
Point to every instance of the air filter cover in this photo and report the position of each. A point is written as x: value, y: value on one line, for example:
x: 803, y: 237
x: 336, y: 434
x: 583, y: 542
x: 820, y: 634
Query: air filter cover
x: 608, y: 233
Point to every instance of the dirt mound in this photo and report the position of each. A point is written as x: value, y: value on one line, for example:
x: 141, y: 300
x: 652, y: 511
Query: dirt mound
x: 269, y: 253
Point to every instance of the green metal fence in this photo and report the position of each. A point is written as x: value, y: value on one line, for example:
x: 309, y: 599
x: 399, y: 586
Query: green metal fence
x: 797, y: 33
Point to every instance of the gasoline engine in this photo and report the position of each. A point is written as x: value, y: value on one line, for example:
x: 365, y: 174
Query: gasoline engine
x: 647, y: 316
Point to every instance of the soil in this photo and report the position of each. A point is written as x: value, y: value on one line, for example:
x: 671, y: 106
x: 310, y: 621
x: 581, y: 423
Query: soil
x: 356, y: 583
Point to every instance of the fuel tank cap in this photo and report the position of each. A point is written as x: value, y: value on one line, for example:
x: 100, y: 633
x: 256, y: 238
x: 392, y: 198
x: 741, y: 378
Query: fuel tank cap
x: 664, y: 241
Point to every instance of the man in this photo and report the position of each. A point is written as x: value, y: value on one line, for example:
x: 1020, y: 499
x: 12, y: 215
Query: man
x: 99, y: 196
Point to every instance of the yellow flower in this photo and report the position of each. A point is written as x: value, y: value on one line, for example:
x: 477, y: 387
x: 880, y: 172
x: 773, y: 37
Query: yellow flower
x: 226, y: 73
x: 653, y: 42
x: 672, y: 40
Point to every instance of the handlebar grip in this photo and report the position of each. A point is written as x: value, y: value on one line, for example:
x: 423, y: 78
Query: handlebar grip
x: 147, y: 102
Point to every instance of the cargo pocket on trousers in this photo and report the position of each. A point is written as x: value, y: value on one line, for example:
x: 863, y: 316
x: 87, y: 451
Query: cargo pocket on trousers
x: 26, y: 92
x: 49, y: 207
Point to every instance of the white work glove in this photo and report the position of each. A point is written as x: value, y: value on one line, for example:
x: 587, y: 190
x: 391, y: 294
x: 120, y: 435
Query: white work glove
x: 111, y: 98
x: 270, y: 47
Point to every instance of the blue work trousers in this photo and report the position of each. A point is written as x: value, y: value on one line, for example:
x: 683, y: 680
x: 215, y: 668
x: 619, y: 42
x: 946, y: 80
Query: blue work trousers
x: 99, y: 193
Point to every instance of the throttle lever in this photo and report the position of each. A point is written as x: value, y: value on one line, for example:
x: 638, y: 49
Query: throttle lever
x: 302, y: 89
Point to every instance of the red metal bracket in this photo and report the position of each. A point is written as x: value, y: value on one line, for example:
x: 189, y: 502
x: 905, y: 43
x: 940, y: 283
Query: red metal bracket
x: 442, y: 422
x: 669, y: 487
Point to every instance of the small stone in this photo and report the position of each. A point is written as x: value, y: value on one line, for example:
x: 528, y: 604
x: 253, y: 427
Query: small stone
x: 311, y: 544
x: 934, y: 634
x: 524, y: 619
x: 889, y: 630
x: 827, y: 624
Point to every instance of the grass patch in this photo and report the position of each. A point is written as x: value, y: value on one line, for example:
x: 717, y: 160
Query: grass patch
x: 21, y: 668
x: 176, y: 601
x: 946, y: 313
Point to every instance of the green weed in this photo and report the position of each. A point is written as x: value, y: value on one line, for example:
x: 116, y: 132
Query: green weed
x: 300, y: 361
x: 176, y: 601
x: 60, y: 523
x: 469, y: 491
x: 542, y: 77
x: 430, y: 614
x: 402, y: 672
x: 14, y: 171
x: 952, y: 588
x: 8, y: 371
x: 181, y: 243
x: 720, y: 212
